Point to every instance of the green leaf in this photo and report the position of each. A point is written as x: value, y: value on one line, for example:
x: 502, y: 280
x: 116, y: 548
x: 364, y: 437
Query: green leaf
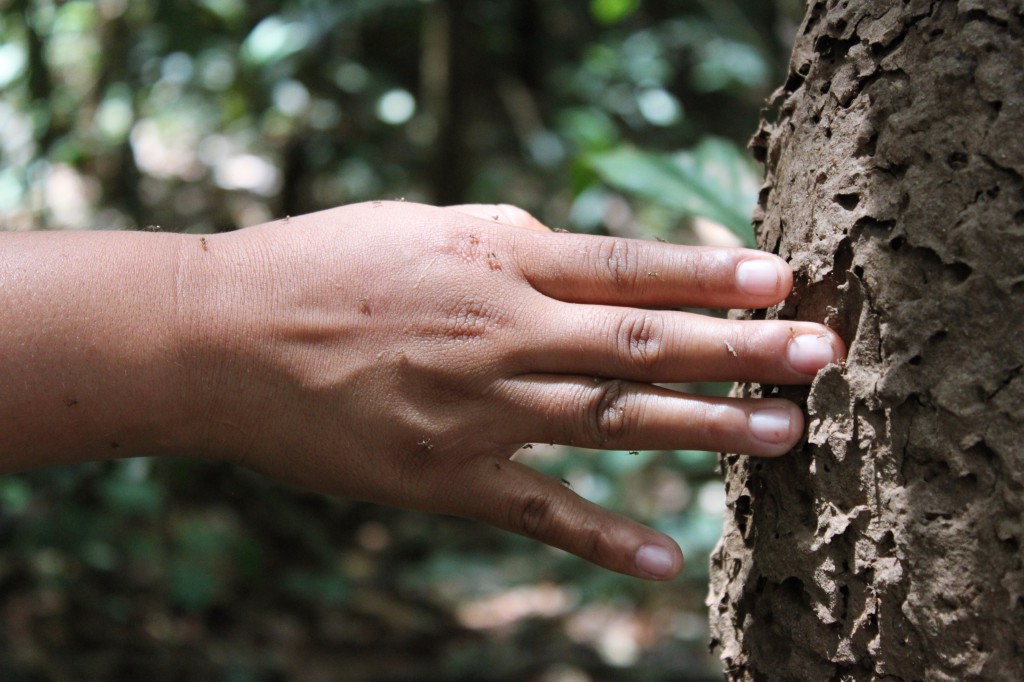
x: 613, y: 11
x: 714, y: 180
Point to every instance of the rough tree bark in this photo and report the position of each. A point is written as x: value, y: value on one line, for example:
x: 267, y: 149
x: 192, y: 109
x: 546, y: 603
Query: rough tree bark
x: 888, y: 546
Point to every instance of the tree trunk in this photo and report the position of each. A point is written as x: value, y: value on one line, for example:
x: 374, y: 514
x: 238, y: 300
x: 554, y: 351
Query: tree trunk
x: 889, y: 545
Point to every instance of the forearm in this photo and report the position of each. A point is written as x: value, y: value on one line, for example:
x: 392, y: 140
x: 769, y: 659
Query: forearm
x: 91, y: 354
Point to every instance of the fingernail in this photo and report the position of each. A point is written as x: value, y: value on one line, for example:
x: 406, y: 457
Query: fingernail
x: 758, y: 277
x: 808, y: 353
x: 655, y: 561
x: 771, y: 424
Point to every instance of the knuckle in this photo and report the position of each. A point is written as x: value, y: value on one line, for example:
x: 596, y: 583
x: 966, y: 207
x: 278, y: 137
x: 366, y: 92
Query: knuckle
x: 531, y: 514
x: 471, y: 318
x: 705, y: 271
x: 713, y: 423
x: 611, y: 413
x: 596, y: 545
x: 639, y: 339
x: 515, y: 215
x: 618, y: 260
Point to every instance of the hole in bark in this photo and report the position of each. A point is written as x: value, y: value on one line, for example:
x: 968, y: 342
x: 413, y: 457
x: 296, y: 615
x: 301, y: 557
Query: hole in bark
x: 868, y: 147
x: 794, y: 82
x: 961, y: 271
x: 874, y: 228
x: 946, y: 603
x: 915, y: 361
x: 886, y: 544
x: 992, y: 192
x: 936, y: 33
x: 848, y: 201
x: 896, y: 243
x: 825, y: 87
x: 957, y: 161
x: 822, y: 177
x: 1010, y: 544
x: 832, y: 49
x: 858, y: 271
x: 792, y: 589
x: 897, y: 170
x: 938, y: 336
x: 742, y: 513
x: 982, y: 450
x: 982, y: 15
x: 804, y: 69
x: 828, y: 133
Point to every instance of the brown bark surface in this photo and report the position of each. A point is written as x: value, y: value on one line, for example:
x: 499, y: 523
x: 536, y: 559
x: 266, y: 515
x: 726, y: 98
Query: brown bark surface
x: 889, y: 545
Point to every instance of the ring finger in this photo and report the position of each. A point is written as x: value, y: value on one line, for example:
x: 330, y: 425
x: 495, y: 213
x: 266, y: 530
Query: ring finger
x: 623, y: 415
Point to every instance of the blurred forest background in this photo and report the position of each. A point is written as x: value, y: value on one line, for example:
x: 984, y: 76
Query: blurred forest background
x: 624, y: 117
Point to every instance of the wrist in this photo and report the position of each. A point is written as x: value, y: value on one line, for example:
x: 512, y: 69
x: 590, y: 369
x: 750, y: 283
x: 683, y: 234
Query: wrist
x: 221, y: 296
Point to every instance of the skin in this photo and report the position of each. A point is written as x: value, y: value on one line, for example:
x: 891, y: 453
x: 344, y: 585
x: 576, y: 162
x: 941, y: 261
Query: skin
x: 399, y: 354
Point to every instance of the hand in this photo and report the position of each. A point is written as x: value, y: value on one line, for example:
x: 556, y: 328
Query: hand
x: 402, y: 354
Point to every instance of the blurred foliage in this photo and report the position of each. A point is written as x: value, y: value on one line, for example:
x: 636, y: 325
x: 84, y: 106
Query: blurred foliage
x: 714, y: 181
x: 205, y: 115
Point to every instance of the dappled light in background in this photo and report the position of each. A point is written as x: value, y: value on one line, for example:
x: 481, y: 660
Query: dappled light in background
x: 617, y: 117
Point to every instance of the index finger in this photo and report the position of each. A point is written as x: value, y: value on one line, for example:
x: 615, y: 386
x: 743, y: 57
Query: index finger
x: 616, y: 271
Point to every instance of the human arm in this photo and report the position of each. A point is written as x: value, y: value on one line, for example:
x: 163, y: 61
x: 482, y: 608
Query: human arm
x: 399, y: 354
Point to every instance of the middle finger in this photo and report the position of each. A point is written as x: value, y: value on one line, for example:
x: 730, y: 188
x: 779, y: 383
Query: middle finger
x: 670, y: 346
